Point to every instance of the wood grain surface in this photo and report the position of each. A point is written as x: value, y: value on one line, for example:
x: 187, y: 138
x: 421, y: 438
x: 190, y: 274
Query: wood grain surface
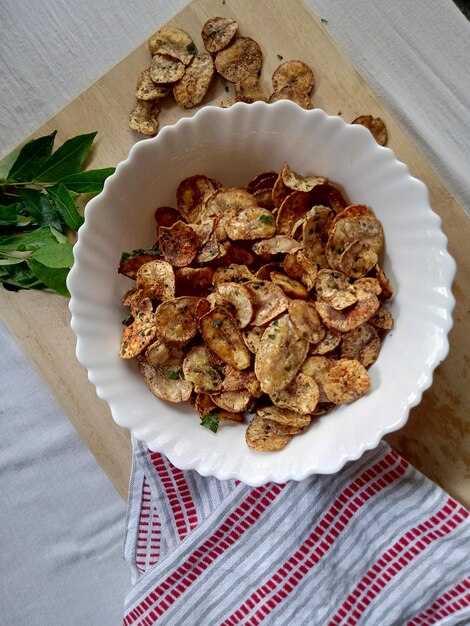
x: 436, y: 438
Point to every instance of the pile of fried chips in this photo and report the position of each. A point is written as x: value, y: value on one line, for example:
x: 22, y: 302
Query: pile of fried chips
x: 265, y: 300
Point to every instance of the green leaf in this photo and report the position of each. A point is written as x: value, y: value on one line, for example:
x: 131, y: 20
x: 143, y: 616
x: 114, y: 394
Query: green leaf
x: 91, y: 181
x: 54, y: 278
x: 55, y: 255
x: 210, y: 421
x: 9, y: 214
x: 20, y: 277
x: 175, y: 374
x: 29, y: 240
x: 66, y: 160
x: 10, y: 261
x: 40, y: 207
x: 7, y: 162
x: 58, y: 236
x: 31, y: 158
x: 65, y: 206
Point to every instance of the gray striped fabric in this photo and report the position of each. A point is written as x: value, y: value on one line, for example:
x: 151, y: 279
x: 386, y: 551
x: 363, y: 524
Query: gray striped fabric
x: 377, y: 544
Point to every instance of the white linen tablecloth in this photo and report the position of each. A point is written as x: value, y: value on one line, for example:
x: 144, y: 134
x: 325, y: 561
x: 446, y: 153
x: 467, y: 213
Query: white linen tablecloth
x: 61, y: 554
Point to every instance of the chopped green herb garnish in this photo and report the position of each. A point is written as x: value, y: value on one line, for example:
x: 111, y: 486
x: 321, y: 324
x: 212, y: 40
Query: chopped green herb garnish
x: 272, y: 336
x: 210, y: 421
x: 128, y: 320
x: 216, y: 324
x: 191, y: 48
x: 175, y: 374
x: 266, y: 219
x: 226, y: 88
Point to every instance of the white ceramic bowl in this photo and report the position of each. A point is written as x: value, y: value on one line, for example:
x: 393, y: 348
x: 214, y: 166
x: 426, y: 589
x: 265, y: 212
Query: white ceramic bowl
x: 232, y: 145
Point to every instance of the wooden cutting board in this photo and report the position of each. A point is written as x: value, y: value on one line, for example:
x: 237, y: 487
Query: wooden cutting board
x: 436, y: 438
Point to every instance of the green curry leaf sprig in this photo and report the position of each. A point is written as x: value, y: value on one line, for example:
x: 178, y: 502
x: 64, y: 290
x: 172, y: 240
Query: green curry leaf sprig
x: 39, y: 216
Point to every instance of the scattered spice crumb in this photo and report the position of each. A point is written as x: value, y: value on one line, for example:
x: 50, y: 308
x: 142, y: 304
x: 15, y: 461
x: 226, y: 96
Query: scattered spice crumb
x: 280, y: 57
x: 323, y: 21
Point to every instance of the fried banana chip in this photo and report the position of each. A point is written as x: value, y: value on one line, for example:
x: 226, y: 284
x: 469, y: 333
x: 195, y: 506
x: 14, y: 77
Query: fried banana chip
x: 193, y: 281
x: 315, y: 234
x: 361, y: 344
x: 358, y: 259
x: 365, y: 229
x: 218, y: 32
x: 296, y: 74
x: 330, y: 342
x: 130, y: 263
x: 293, y: 93
x: 264, y: 198
x: 279, y: 244
x: 376, y: 126
x: 157, y: 353
x: 146, y: 89
x: 383, y: 319
x: 220, y: 331
x: 227, y: 201
x: 238, y: 255
x: 294, y: 207
x: 212, y: 250
x: 291, y: 287
x: 193, y: 86
x: 140, y: 332
x: 166, y: 69
x: 251, y: 223
x: 179, y: 243
x: 204, y: 405
x: 306, y: 320
x: 346, y: 381
x: 232, y: 401
x: 238, y: 380
x: 192, y: 194
x: 144, y: 117
x: 296, y: 182
x: 166, y: 216
x: 296, y: 265
x: 352, y: 317
x: 176, y: 320
x: 335, y: 289
x: 264, y: 272
x: 261, y: 436
x: 284, y: 416
x: 239, y: 298
x: 157, y: 280
x: 268, y: 301
x: 252, y: 337
x: 249, y: 90
x: 241, y: 58
x: 317, y: 368
x: 300, y: 395
x: 173, y: 41
x: 387, y: 289
x: 199, y: 371
x: 169, y: 388
x: 353, y: 210
x: 280, y: 355
x: 234, y: 273
x: 262, y: 181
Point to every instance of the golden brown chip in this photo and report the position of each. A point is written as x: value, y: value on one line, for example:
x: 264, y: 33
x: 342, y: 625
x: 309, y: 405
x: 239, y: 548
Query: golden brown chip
x: 249, y: 90
x: 237, y: 380
x: 315, y: 234
x: 295, y: 74
x: 166, y: 69
x: 173, y: 41
x: 278, y: 244
x: 146, y: 89
x: 202, y: 307
x: 198, y: 370
x: 264, y: 272
x: 264, y: 198
x: 251, y: 223
x: 293, y: 93
x: 221, y: 333
x: 192, y: 194
x: 218, y: 32
x: 157, y: 280
x: 353, y: 210
x: 175, y: 320
x: 165, y: 384
x: 233, y: 401
x: 260, y: 436
x: 243, y: 57
x: 179, y: 243
x: 358, y: 259
x: 296, y: 182
x: 283, y: 429
x: 166, y: 216
x: 234, y: 273
x: 291, y: 287
x: 330, y: 342
x: 226, y: 201
x: 263, y: 180
x: 334, y: 288
x: 306, y: 320
x: 239, y: 255
x: 279, y: 192
x: 268, y: 300
x: 252, y: 337
x: 376, y: 126
x: 300, y: 395
x: 280, y: 355
x: 365, y: 229
x: 346, y: 381
x: 157, y: 353
x: 239, y: 298
x: 193, y: 86
x: 130, y: 263
x: 193, y: 281
x: 347, y: 319
x: 204, y: 405
x: 387, y: 289
x: 294, y: 207
x: 362, y: 344
x: 296, y: 265
x: 144, y: 117
x: 212, y: 250
x: 285, y: 416
x: 383, y: 319
x: 368, y: 284
x: 317, y: 368
x: 140, y: 332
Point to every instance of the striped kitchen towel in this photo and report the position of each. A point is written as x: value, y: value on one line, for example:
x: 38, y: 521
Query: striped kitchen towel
x: 377, y: 544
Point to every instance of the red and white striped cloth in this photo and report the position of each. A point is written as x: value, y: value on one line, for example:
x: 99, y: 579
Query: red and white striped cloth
x: 377, y: 544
